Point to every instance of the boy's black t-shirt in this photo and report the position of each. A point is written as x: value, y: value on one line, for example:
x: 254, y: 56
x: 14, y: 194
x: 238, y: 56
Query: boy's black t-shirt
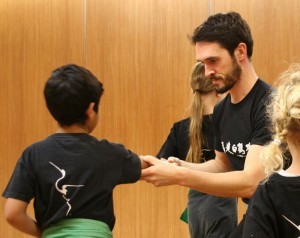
x: 72, y: 176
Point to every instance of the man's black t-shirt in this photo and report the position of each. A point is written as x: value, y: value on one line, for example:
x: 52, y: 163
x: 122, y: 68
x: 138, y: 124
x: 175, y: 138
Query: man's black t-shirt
x: 237, y: 126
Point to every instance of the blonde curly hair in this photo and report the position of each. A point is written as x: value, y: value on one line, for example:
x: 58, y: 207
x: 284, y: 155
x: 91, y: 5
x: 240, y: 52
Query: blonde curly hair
x: 284, y: 113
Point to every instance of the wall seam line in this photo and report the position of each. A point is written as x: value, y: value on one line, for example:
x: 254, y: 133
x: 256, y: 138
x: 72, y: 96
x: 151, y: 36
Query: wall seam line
x: 84, y: 32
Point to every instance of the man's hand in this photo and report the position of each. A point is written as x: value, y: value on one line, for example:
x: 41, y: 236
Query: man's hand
x: 160, y: 172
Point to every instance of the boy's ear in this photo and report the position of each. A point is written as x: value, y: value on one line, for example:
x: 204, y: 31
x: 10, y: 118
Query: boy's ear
x: 90, y: 109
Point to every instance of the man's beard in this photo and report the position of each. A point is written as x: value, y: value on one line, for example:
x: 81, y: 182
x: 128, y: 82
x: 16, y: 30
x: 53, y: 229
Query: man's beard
x: 230, y: 78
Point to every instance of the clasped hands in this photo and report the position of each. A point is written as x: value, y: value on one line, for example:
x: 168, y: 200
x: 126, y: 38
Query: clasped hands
x: 161, y: 172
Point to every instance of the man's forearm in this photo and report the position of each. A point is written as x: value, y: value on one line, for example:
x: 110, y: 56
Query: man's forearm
x: 211, y: 166
x: 229, y: 184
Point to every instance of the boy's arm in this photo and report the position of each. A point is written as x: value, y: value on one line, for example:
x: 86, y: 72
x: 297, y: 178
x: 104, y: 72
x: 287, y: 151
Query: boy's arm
x: 16, y: 215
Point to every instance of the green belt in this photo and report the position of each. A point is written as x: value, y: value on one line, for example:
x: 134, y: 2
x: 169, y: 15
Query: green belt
x: 78, y: 227
x: 184, y: 216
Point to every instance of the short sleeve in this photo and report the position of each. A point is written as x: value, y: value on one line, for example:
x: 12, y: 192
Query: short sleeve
x: 261, y: 133
x: 169, y: 148
x: 21, y: 183
x: 178, y: 142
x: 260, y: 217
x: 217, y: 138
x: 131, y: 168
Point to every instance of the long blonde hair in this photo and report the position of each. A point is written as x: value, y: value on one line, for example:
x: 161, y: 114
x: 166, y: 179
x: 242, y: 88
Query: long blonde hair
x: 284, y: 112
x: 200, y: 85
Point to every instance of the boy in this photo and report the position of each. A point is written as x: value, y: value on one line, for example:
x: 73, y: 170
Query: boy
x: 70, y: 174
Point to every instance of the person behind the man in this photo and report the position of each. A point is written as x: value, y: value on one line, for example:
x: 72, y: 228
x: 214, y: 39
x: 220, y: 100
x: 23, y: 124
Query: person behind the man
x: 223, y: 43
x: 192, y: 140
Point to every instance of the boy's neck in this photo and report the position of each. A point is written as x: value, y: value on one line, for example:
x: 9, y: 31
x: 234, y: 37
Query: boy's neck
x: 73, y: 129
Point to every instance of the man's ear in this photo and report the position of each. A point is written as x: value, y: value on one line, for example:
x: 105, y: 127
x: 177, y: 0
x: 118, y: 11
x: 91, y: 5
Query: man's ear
x: 241, y: 52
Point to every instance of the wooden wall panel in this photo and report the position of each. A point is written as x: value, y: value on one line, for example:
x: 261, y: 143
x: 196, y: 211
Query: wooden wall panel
x: 275, y: 29
x: 36, y: 37
x: 140, y: 50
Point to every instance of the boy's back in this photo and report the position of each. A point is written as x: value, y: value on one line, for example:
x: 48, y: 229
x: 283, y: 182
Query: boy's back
x: 72, y: 176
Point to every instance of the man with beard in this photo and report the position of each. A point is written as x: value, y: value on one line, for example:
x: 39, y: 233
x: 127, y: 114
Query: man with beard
x: 224, y: 44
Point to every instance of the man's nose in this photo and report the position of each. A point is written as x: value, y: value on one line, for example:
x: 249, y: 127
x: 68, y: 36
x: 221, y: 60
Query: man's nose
x: 209, y: 72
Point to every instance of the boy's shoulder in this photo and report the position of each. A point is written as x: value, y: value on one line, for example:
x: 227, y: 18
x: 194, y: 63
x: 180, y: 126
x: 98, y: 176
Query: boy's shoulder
x: 63, y: 146
x: 112, y: 146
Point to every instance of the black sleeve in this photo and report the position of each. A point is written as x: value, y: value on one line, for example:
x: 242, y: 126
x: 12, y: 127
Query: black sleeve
x: 21, y: 184
x: 261, y: 130
x: 261, y: 133
x: 131, y: 168
x: 260, y: 217
x: 177, y: 143
x: 253, y: 229
x: 217, y: 139
x: 126, y: 165
x: 169, y: 148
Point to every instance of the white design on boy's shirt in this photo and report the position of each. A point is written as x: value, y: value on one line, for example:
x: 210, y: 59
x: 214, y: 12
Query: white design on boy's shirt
x: 63, y: 189
x: 298, y: 227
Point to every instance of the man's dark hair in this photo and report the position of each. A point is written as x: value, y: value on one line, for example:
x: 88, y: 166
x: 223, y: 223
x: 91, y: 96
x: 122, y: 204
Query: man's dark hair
x: 69, y: 92
x: 229, y: 30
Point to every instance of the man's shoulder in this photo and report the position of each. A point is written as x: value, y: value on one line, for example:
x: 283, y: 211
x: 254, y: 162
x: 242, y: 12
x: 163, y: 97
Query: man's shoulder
x: 262, y: 93
x: 221, y: 104
x: 263, y: 86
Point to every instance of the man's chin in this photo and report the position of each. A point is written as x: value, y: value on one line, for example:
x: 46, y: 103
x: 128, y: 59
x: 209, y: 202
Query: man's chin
x: 221, y: 90
x: 217, y: 86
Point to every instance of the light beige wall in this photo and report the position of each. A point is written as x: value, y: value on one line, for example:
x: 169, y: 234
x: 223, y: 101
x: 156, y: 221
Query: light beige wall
x: 139, y: 50
x: 35, y: 37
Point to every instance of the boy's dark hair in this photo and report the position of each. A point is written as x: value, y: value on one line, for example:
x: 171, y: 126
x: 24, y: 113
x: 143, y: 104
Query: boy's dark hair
x: 69, y: 92
x: 228, y: 30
